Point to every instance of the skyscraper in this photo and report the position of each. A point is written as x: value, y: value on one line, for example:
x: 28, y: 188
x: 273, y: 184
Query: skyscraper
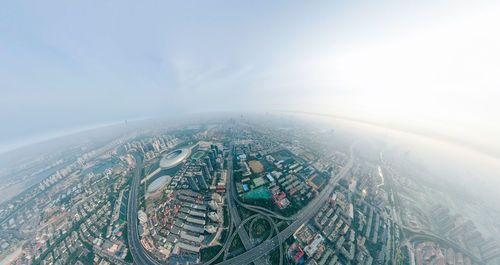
x: 206, y: 172
x: 192, y: 183
x: 201, y: 181
x: 208, y: 162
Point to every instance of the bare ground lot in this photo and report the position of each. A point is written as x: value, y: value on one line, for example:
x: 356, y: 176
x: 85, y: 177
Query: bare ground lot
x: 256, y: 166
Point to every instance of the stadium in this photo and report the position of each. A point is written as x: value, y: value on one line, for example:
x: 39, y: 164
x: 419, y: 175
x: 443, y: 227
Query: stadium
x: 158, y: 184
x: 174, y: 158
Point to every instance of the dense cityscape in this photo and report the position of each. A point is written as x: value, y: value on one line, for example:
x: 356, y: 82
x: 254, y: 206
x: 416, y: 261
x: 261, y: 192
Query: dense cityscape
x: 237, y: 191
x: 249, y: 132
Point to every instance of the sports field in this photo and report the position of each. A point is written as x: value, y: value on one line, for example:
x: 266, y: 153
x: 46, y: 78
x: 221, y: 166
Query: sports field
x: 197, y: 155
x: 256, y: 166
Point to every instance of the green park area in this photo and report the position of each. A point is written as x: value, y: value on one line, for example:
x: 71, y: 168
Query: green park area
x: 210, y: 252
x: 259, y: 193
x: 318, y: 180
x: 260, y: 228
x: 197, y: 155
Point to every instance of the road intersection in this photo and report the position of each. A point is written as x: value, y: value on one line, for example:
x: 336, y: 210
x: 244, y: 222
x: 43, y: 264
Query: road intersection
x: 253, y: 253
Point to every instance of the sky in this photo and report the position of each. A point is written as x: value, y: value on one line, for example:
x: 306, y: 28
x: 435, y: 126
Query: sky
x: 426, y: 66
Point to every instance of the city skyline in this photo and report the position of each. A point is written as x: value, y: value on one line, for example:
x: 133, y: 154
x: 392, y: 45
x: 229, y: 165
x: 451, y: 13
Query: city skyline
x: 248, y: 189
x: 428, y: 66
x: 249, y: 133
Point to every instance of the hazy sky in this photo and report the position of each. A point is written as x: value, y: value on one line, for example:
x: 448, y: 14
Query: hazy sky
x: 66, y: 65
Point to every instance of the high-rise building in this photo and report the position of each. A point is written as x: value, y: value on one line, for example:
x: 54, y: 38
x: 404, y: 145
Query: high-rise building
x: 218, y: 163
x: 206, y: 172
x: 490, y: 250
x: 211, y: 158
x: 209, y: 164
x: 212, y: 153
x: 201, y: 181
x: 192, y: 183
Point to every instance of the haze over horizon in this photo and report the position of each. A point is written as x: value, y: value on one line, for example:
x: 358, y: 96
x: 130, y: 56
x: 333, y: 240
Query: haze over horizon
x: 429, y: 66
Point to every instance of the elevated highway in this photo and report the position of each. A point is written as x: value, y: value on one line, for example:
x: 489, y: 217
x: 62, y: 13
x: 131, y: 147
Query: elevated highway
x: 139, y: 254
x: 302, y: 217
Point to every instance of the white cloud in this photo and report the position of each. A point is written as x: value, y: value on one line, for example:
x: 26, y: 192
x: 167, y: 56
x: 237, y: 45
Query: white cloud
x: 442, y: 75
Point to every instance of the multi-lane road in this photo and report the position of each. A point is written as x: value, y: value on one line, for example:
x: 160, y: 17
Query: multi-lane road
x: 139, y: 254
x: 252, y: 254
x: 302, y: 217
x: 245, y: 239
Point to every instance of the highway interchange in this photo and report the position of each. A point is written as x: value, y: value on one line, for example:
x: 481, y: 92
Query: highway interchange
x: 235, y: 216
x: 301, y: 218
x: 139, y: 254
x: 232, y: 198
x: 253, y: 254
